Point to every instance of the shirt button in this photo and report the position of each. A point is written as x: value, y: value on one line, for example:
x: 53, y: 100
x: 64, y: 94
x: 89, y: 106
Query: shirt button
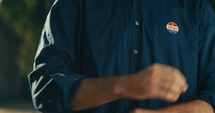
x: 135, y: 51
x: 137, y: 23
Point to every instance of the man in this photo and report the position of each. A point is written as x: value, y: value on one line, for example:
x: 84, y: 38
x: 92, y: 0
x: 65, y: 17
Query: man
x: 121, y: 56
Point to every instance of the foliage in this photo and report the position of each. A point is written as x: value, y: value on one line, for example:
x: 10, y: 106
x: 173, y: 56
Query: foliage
x: 25, y: 18
x: 212, y: 3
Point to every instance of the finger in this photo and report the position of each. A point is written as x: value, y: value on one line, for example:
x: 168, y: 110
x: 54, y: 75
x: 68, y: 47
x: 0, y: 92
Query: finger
x: 177, y: 87
x: 168, y: 95
x: 174, y: 91
x: 172, y: 96
x: 171, y: 90
x: 165, y: 88
x: 162, y: 94
x: 172, y: 78
x: 180, y: 82
x: 180, y: 77
x: 171, y: 93
x: 180, y: 86
x: 170, y: 85
x: 184, y: 89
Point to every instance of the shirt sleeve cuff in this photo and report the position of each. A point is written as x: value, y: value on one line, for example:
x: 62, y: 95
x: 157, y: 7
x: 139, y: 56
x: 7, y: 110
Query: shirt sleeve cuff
x: 207, y: 97
x: 69, y: 86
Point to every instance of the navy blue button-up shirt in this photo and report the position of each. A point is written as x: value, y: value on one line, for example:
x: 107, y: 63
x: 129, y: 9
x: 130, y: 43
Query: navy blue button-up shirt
x: 98, y: 38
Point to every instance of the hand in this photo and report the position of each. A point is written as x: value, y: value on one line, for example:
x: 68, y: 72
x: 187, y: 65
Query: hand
x: 157, y: 81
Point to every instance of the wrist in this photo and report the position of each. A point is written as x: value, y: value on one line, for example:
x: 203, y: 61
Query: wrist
x: 121, y: 86
x: 132, y: 86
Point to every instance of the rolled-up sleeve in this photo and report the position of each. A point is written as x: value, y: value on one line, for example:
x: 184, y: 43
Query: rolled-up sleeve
x: 206, y: 78
x: 54, y: 79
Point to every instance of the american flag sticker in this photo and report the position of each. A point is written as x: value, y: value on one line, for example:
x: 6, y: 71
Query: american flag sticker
x: 172, y: 27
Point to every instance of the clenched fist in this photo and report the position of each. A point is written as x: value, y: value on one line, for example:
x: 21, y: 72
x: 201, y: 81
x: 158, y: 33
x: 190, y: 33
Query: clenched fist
x: 155, y: 82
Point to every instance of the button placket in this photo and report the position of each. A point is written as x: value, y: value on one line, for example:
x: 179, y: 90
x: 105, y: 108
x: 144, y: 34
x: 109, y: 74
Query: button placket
x: 137, y: 23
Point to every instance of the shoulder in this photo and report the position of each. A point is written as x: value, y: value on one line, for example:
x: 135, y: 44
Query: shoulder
x: 205, y: 10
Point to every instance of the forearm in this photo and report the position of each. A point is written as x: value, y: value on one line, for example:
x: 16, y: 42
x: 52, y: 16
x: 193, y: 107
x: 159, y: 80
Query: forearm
x: 95, y: 92
x: 138, y: 86
x: 197, y: 106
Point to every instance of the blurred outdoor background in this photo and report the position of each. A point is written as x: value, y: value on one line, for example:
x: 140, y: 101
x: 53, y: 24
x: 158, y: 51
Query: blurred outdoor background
x: 21, y: 23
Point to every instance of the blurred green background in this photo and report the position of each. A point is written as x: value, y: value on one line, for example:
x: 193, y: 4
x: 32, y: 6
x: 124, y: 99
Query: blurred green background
x: 21, y: 23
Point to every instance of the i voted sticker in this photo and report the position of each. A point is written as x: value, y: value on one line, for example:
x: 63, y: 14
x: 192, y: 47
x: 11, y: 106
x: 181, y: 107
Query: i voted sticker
x: 172, y: 27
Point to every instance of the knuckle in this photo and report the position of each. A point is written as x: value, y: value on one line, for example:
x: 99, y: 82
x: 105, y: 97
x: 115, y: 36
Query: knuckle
x: 171, y: 97
x: 151, y: 74
x: 174, y: 70
x: 174, y: 96
x: 176, y: 89
x: 155, y: 66
x: 182, y: 80
x: 153, y: 71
